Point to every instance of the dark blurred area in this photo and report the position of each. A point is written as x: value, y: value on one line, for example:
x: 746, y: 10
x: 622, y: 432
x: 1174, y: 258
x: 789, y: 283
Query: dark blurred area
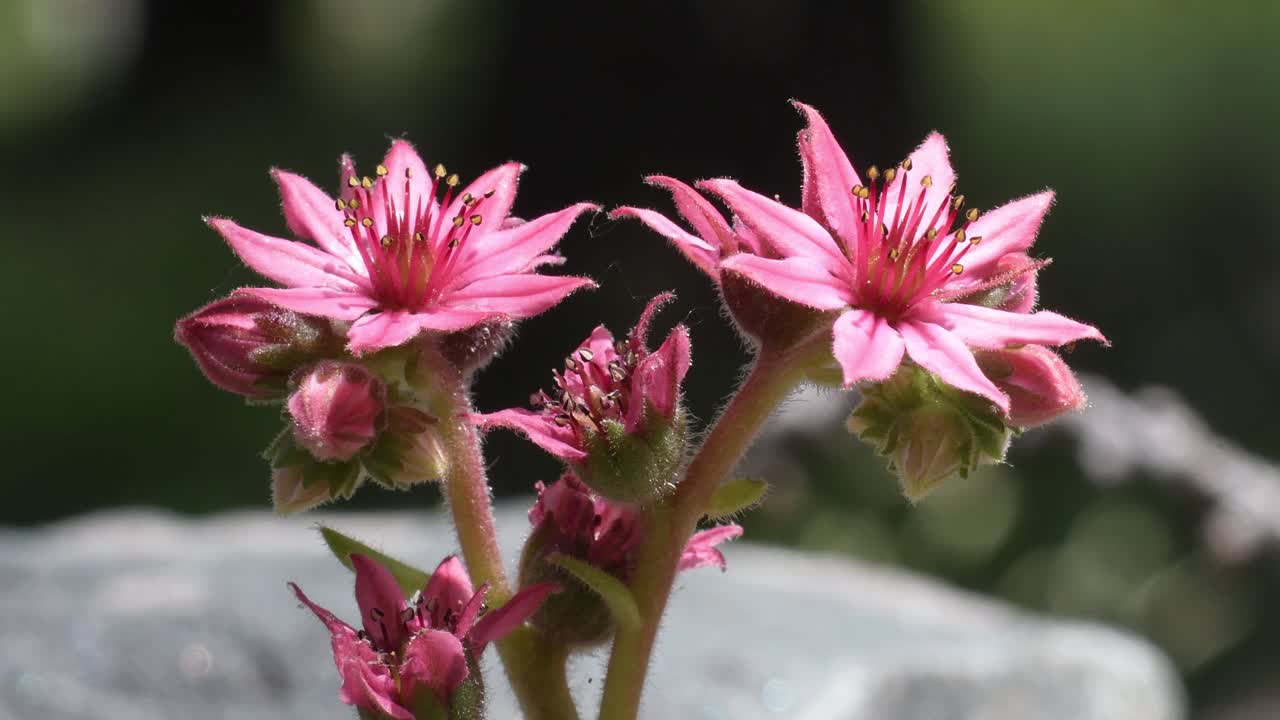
x: 125, y: 121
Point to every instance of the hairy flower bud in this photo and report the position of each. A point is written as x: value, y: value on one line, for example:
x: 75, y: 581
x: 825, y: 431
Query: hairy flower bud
x: 337, y: 409
x: 291, y: 491
x: 928, y: 430
x: 300, y: 482
x: 1039, y: 384
x: 409, y: 451
x: 249, y: 346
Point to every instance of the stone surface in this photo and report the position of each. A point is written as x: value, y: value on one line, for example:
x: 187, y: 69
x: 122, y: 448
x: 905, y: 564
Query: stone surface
x: 143, y: 616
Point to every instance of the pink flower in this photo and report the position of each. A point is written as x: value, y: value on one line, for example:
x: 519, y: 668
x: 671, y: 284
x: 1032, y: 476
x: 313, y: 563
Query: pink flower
x: 337, y: 409
x: 891, y: 256
x: 604, y: 382
x: 404, y: 647
x: 249, y: 346
x: 1039, y: 384
x: 395, y: 258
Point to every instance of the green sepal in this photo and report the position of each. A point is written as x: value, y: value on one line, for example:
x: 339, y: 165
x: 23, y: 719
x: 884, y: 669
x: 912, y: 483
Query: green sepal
x: 634, y: 468
x: 410, y: 578
x: 617, y: 597
x: 736, y: 496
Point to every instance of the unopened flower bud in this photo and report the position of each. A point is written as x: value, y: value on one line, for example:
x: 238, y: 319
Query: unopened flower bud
x: 337, y: 409
x: 249, y: 346
x: 1039, y: 384
x: 292, y: 493
x: 410, y: 450
x: 927, y: 430
x: 763, y: 317
x: 300, y: 482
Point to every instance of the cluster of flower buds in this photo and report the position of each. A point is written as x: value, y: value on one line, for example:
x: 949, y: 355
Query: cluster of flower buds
x: 614, y: 415
x: 415, y: 658
x: 569, y: 519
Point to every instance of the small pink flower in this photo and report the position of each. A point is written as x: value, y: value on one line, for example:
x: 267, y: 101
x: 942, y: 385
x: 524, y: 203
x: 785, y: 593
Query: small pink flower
x: 1039, y: 384
x: 337, y: 409
x: 891, y: 257
x: 404, y: 646
x: 249, y: 346
x: 604, y: 381
x: 401, y: 253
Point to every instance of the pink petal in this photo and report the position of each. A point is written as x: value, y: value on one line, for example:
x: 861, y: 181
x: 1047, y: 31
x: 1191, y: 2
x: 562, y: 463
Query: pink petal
x: 499, y: 622
x: 790, y: 232
x: 471, y: 611
x: 434, y: 659
x: 661, y: 373
x: 799, y: 279
x: 1010, y: 228
x: 701, y: 549
x: 866, y: 346
x: 943, y: 354
x: 288, y: 263
x: 538, y: 428
x: 993, y: 329
x: 495, y: 208
x: 311, y: 215
x: 449, y: 586
x: 381, y: 602
x: 512, y: 251
x: 829, y: 176
x: 335, y: 304
x: 929, y: 159
x: 376, y: 331
x: 366, y: 680
x: 517, y: 295
x: 701, y: 215
x: 336, y: 627
x: 701, y: 254
x: 401, y: 157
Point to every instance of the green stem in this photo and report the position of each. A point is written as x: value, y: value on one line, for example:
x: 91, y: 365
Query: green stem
x: 771, y: 379
x: 535, y: 669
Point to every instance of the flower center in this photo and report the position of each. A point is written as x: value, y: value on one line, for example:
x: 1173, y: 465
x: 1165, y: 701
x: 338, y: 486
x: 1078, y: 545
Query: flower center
x: 407, y: 245
x: 904, y: 250
x: 594, y: 387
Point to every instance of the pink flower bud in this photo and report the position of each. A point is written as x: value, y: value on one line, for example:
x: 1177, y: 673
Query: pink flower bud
x: 249, y: 346
x: 1039, y: 384
x: 337, y: 409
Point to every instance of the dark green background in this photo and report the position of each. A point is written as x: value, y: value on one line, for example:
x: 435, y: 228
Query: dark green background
x: 122, y: 122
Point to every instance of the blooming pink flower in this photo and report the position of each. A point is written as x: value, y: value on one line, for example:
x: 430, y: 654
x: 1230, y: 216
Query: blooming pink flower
x: 604, y: 381
x: 404, y: 646
x: 893, y: 257
x: 249, y: 346
x: 1039, y: 384
x: 337, y: 409
x: 395, y: 258
x: 608, y: 534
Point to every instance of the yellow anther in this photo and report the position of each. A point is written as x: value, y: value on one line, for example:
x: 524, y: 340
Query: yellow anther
x: 960, y: 236
x: 386, y: 241
x: 381, y: 170
x: 467, y: 199
x: 857, y: 191
x: 366, y: 182
x: 457, y: 221
x: 873, y: 173
x: 975, y: 239
x: 349, y: 222
x: 958, y: 202
x: 353, y: 181
x: 931, y: 233
x: 926, y: 181
x: 893, y: 254
x: 865, y: 216
x: 866, y: 193
x: 890, y: 174
x: 957, y: 268
x: 476, y: 219
x: 972, y: 214
x: 440, y: 171
x: 342, y: 204
x: 367, y: 222
x: 353, y: 203
x: 906, y: 164
x: 452, y: 181
x: 418, y: 237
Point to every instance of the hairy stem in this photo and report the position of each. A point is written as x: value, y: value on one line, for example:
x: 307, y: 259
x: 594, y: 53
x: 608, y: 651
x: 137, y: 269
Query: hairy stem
x: 771, y: 379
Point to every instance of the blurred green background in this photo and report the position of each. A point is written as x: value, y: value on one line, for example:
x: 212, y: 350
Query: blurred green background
x: 124, y: 121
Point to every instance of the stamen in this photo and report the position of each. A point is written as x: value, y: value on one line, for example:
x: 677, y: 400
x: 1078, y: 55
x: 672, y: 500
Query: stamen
x: 342, y: 204
x: 381, y: 170
x: 957, y: 268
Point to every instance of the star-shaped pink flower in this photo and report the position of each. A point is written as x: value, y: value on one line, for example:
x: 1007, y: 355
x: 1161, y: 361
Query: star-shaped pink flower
x: 401, y: 253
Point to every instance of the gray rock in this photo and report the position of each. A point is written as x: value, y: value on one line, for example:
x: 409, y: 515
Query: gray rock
x: 141, y: 616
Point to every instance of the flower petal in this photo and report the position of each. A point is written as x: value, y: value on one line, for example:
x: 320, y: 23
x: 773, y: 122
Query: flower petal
x: 799, y: 279
x: 701, y: 215
x: 497, y: 188
x: 512, y: 251
x: 499, y: 622
x: 311, y: 215
x: 993, y: 329
x: 289, y: 263
x: 1010, y: 228
x: 935, y: 349
x: 403, y: 163
x: 790, y: 232
x: 701, y: 549
x: 517, y: 295
x: 331, y: 621
x: 829, y: 177
x: 335, y: 304
x: 701, y: 254
x: 380, y: 330
x: 866, y: 346
x: 449, y: 587
x: 434, y: 659
x: 381, y: 602
x: 930, y: 159
x: 538, y: 428
x: 661, y: 373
